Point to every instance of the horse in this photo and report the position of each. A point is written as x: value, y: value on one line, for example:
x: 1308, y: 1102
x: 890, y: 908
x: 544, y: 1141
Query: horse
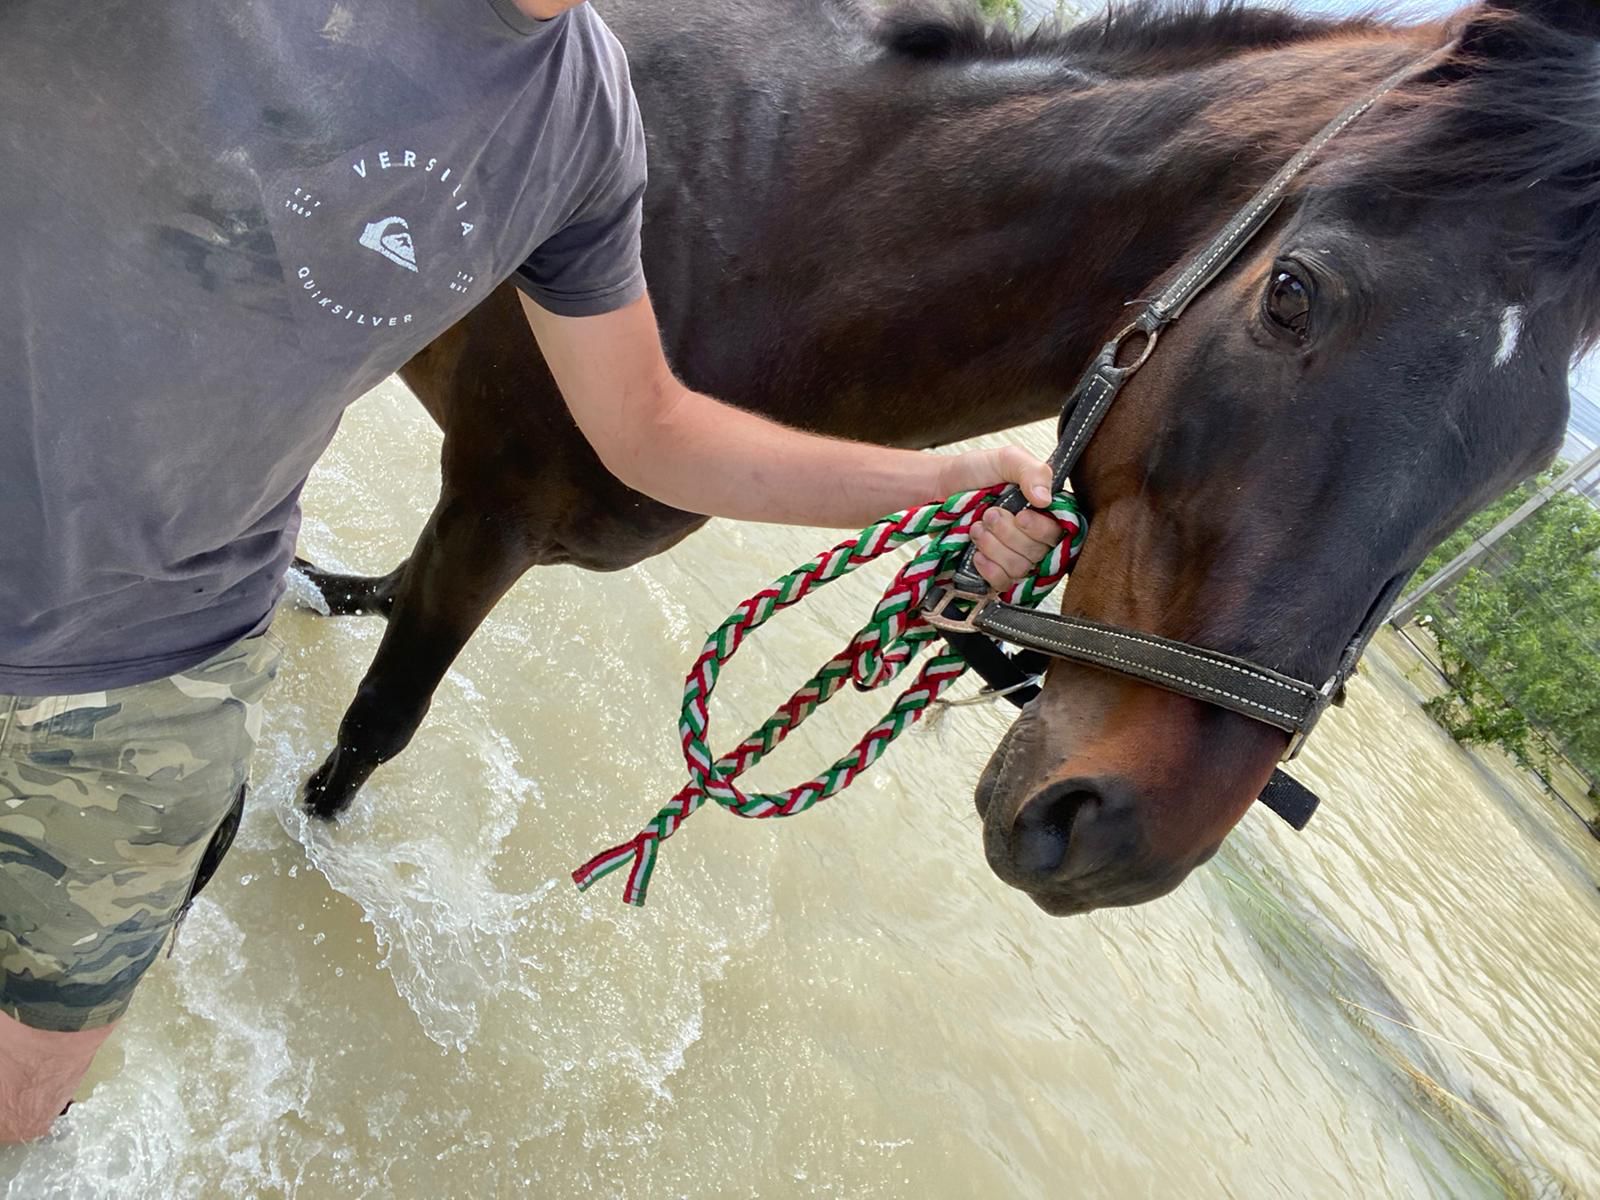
x: 915, y: 227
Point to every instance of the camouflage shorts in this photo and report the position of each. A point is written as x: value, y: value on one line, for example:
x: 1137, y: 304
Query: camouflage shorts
x: 107, y: 802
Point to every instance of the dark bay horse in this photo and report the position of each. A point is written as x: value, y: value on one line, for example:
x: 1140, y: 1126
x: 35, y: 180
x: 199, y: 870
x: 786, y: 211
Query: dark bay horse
x: 917, y: 229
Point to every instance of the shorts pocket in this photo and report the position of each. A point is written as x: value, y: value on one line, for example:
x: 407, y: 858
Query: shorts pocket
x: 204, y: 720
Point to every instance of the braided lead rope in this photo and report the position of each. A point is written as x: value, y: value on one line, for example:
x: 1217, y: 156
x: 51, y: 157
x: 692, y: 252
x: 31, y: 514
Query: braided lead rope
x: 877, y: 654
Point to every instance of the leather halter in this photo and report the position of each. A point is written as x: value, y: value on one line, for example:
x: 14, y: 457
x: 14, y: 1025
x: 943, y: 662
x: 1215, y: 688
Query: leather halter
x: 971, y: 616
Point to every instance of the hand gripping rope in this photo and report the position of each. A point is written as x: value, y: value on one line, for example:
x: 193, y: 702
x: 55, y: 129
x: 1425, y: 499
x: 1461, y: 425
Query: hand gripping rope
x: 877, y: 654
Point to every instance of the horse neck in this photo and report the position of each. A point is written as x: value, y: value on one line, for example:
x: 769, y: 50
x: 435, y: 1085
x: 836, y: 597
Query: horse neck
x: 980, y: 228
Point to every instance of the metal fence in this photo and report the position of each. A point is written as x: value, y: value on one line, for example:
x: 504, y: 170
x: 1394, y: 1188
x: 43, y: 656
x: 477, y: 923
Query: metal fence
x: 1511, y: 625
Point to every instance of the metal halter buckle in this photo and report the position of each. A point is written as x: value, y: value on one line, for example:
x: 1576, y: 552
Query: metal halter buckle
x: 950, y: 610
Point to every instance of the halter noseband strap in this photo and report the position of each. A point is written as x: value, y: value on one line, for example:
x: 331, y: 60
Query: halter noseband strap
x: 970, y: 616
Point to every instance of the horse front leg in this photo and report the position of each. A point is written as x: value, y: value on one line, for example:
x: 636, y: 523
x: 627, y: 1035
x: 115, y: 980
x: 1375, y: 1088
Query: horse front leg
x: 468, y: 556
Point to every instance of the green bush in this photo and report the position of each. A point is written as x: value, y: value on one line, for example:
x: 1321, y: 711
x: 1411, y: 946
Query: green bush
x: 1520, y: 633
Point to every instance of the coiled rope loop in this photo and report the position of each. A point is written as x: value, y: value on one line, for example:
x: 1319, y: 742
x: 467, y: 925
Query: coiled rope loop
x: 878, y: 653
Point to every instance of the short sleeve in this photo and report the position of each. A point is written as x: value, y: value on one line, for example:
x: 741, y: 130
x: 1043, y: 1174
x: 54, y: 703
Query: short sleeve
x: 591, y: 264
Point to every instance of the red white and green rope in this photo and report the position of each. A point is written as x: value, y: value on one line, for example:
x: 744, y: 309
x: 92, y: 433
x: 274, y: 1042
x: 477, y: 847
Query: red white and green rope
x: 878, y: 652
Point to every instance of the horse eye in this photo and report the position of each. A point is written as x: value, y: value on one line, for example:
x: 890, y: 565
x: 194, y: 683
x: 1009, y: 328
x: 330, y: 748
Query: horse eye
x: 1288, y: 302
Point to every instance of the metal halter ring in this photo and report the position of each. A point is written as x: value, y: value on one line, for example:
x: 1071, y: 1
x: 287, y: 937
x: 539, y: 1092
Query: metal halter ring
x: 1150, y: 333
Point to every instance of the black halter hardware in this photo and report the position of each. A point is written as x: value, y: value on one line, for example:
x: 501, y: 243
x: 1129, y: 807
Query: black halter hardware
x: 973, y: 620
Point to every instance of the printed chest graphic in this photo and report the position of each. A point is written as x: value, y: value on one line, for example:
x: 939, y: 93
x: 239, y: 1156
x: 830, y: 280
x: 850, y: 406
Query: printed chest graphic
x: 385, y: 237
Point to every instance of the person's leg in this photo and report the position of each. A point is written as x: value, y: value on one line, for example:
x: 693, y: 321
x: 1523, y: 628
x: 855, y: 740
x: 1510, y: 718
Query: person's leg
x: 39, y: 1072
x: 107, y: 804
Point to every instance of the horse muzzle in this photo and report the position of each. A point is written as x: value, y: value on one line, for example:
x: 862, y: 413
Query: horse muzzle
x: 1108, y: 793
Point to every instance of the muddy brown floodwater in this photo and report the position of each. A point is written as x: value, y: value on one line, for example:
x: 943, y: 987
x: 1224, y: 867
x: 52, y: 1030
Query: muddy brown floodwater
x: 415, y: 1003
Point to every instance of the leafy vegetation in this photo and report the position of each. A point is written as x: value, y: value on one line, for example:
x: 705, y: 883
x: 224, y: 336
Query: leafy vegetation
x: 1519, y: 634
x: 1007, y: 11
x: 1014, y: 14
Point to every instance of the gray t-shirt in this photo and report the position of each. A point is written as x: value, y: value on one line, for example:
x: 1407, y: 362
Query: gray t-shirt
x: 219, y: 224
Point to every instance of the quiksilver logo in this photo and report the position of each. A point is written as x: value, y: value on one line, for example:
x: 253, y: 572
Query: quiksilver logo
x: 391, y: 238
x: 334, y: 205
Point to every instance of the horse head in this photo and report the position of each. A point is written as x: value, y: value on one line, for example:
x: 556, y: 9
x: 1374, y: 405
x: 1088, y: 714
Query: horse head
x: 1388, y: 355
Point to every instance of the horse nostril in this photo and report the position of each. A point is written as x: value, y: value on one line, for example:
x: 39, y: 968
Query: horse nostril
x: 1042, y: 832
x: 1074, y: 828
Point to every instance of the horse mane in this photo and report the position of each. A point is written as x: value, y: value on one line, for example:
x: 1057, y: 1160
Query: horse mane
x: 1129, y: 37
x: 1514, y: 111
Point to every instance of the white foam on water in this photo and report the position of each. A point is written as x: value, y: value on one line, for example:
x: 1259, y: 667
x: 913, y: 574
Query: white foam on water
x: 301, y: 592
x: 654, y: 1065
x: 265, y: 1079
x: 200, y: 1118
x: 486, y: 971
x: 125, y: 1140
x: 449, y: 936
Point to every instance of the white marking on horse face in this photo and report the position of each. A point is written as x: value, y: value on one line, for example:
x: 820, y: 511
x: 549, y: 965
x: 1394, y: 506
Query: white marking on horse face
x: 1510, y: 334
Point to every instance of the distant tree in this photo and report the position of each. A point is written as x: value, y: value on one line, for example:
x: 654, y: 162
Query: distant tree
x: 1520, y: 633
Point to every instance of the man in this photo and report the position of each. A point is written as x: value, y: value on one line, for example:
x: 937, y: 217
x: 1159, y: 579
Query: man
x: 219, y: 224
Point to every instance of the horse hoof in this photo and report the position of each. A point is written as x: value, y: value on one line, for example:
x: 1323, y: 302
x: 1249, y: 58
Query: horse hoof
x: 320, y: 798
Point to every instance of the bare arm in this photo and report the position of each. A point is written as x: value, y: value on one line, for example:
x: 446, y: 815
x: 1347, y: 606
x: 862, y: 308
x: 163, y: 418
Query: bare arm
x: 698, y: 454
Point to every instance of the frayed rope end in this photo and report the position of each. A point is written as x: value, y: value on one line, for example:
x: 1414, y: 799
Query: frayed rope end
x: 640, y: 852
